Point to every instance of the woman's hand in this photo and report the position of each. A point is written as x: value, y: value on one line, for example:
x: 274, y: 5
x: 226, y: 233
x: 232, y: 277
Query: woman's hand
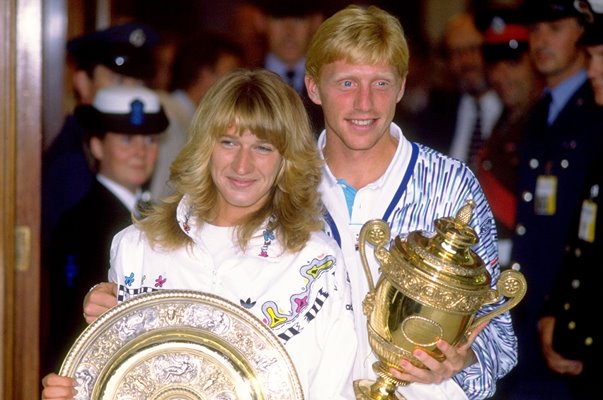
x: 99, y: 299
x: 58, y: 387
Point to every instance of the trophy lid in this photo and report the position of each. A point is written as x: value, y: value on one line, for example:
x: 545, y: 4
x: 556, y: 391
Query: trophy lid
x: 446, y: 257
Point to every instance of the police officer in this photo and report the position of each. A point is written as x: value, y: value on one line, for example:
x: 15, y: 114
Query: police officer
x: 121, y: 128
x: 568, y: 328
x: 556, y: 151
x: 511, y: 74
x: 121, y: 54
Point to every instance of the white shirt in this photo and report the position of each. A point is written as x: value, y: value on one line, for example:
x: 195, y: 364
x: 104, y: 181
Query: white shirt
x: 307, y: 291
x: 419, y: 186
x: 127, y: 198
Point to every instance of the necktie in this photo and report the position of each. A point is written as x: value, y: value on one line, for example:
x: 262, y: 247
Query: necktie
x: 544, y: 105
x: 476, y: 136
x: 290, y: 77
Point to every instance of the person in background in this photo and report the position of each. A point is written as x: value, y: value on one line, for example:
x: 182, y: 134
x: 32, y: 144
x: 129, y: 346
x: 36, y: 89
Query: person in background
x: 557, y: 149
x: 513, y: 77
x: 122, y: 127
x: 569, y: 331
x: 245, y: 223
x: 373, y: 171
x: 458, y: 120
x: 420, y: 83
x: 120, y: 54
x: 163, y: 58
x: 289, y: 28
x: 198, y: 63
x: 246, y: 26
x: 356, y: 69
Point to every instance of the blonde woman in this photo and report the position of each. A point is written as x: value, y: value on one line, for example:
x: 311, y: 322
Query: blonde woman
x: 245, y: 223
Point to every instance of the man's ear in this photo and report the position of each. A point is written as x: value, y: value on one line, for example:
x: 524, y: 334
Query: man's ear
x: 312, y: 89
x: 96, y: 148
x: 82, y: 84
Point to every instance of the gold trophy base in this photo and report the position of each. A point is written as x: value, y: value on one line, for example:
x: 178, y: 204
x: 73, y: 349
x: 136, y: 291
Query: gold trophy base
x: 384, y: 388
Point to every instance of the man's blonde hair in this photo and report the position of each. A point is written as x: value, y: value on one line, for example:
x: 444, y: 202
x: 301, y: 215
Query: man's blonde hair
x: 358, y: 35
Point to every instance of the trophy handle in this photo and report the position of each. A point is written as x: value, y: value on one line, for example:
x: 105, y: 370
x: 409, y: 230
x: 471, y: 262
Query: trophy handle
x: 376, y: 232
x: 511, y: 284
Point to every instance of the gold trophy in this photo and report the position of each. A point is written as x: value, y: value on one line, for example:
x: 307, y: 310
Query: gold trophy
x: 430, y: 288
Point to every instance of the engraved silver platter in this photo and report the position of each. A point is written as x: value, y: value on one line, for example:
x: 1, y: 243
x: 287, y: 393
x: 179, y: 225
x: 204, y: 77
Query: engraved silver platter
x: 180, y: 345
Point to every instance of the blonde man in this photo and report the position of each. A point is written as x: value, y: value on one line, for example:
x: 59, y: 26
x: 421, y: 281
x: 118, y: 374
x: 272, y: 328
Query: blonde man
x: 356, y: 69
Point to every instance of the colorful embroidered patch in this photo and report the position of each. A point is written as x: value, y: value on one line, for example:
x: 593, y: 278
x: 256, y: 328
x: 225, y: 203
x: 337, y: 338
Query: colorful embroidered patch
x: 268, y: 238
x: 160, y: 281
x: 129, y: 280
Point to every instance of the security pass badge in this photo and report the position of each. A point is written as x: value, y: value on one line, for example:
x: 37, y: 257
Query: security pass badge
x: 545, y: 202
x: 588, y: 217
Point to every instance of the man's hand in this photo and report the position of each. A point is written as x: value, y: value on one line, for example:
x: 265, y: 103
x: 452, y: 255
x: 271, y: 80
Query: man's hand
x: 99, y: 299
x: 457, y: 359
x: 58, y: 387
x: 554, y: 360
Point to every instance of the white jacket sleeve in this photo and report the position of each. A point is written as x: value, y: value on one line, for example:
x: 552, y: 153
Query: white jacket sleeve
x: 337, y: 343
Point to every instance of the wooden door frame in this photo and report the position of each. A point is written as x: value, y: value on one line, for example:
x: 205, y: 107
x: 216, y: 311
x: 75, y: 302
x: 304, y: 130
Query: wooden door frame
x: 20, y: 158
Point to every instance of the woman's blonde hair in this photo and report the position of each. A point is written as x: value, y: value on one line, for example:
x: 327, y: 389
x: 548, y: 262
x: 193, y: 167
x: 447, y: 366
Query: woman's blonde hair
x: 358, y: 35
x: 258, y: 101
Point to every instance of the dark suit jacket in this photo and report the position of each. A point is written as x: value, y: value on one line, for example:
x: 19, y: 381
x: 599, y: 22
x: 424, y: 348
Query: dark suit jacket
x: 497, y: 169
x: 66, y: 176
x: 565, y: 150
x: 577, y: 335
x: 79, y: 259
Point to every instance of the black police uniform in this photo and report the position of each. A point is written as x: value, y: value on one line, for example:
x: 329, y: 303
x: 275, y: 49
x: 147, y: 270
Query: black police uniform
x: 66, y: 176
x: 497, y: 170
x: 505, y: 40
x: 574, y: 298
x: 80, y: 259
x: 563, y: 153
x: 79, y: 251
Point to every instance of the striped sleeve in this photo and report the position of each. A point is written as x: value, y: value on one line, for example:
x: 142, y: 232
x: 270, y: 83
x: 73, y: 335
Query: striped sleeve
x: 440, y: 186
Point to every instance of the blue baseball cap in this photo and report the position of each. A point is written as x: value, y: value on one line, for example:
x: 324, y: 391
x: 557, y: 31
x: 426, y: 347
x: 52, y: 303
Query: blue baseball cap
x: 125, y: 49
